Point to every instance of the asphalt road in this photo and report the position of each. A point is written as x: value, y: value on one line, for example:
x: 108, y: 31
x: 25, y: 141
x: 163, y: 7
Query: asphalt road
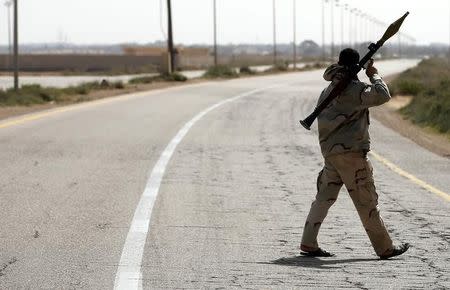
x: 228, y: 188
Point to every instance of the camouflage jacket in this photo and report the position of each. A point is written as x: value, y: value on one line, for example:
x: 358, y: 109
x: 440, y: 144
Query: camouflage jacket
x: 344, y: 124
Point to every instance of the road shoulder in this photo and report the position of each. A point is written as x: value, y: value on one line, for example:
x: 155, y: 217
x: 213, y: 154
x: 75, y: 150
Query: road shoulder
x: 389, y: 116
x: 17, y: 111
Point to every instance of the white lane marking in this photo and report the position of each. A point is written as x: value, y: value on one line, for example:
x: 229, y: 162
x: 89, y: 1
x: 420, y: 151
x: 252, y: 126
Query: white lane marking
x: 129, y: 275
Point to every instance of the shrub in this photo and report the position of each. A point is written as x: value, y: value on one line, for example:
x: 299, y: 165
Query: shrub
x: 246, y: 70
x: 174, y: 77
x: 429, y: 83
x: 279, y: 67
x: 142, y: 80
x: 82, y: 90
x: 118, y: 85
x: 317, y: 65
x: 409, y: 87
x: 220, y: 71
x: 432, y: 111
x: 25, y: 96
x: 35, y: 94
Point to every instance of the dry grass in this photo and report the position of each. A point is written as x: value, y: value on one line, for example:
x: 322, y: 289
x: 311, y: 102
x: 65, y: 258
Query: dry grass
x: 429, y: 84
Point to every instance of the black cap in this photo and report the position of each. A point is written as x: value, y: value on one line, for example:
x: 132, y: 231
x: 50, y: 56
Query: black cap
x: 348, y: 57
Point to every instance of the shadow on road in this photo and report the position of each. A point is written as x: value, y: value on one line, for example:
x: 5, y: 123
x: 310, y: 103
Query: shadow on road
x: 313, y: 262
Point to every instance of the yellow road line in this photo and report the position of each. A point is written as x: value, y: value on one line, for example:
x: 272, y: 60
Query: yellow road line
x: 119, y: 98
x: 411, y: 177
x: 37, y: 116
x: 47, y: 113
x: 33, y: 117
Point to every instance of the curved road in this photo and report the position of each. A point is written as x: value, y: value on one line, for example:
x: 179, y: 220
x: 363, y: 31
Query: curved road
x: 161, y: 190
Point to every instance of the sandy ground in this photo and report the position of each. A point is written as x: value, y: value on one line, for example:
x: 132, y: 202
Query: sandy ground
x: 389, y: 116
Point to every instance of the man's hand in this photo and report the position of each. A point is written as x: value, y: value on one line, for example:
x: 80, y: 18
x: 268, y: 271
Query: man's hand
x: 371, y: 70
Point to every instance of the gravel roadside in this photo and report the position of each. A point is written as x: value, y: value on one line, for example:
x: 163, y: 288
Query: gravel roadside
x: 389, y: 116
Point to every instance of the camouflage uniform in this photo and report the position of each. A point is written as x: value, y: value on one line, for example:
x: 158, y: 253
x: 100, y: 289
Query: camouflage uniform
x: 344, y: 141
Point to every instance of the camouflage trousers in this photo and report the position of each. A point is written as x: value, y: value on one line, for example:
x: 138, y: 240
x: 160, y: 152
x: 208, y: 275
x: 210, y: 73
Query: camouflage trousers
x: 355, y: 171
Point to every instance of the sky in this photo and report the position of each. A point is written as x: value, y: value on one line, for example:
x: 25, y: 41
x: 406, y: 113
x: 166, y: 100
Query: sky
x: 238, y: 21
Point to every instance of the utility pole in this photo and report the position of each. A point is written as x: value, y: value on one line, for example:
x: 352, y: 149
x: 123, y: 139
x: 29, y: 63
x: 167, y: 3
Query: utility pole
x: 16, y: 46
x: 170, y: 38
x: 367, y: 31
x: 295, y: 32
x: 215, y: 33
x: 342, y: 25
x: 356, y: 27
x: 379, y: 27
x: 323, y: 30
x: 332, y: 28
x: 361, y: 26
x: 364, y: 27
x: 350, y: 27
x: 274, y: 33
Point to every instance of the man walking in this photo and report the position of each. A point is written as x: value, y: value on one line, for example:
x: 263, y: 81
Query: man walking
x: 344, y: 141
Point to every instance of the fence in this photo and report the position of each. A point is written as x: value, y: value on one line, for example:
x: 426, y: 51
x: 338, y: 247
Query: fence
x: 82, y: 63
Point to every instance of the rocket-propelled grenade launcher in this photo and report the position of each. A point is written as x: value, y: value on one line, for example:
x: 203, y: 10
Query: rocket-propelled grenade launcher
x: 342, y: 84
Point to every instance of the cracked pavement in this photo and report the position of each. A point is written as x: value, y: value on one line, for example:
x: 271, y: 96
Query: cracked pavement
x: 232, y: 203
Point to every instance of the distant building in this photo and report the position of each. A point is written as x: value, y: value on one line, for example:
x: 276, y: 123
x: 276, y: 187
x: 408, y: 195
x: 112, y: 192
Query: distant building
x: 144, y: 50
x: 157, y: 51
x: 309, y: 48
